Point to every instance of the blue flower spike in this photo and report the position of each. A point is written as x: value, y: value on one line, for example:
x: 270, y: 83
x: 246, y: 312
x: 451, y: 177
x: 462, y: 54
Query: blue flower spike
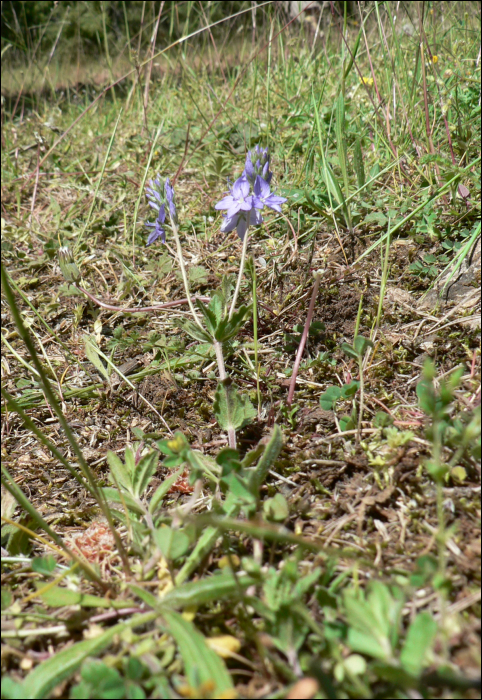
x: 159, y: 231
x: 171, y: 200
x: 244, y: 204
x: 257, y: 163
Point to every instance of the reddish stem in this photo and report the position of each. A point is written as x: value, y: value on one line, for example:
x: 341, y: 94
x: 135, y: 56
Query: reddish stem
x: 139, y: 309
x: 303, y: 339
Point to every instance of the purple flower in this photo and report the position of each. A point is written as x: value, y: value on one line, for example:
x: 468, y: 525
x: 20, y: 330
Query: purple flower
x: 154, y: 193
x: 239, y: 199
x: 263, y: 196
x: 159, y: 231
x: 257, y: 163
x: 170, y: 200
x: 239, y: 221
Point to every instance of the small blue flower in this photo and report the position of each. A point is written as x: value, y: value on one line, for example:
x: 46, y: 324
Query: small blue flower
x: 257, y: 163
x: 263, y: 197
x: 239, y: 199
x: 159, y: 231
x: 154, y: 193
x: 171, y: 200
x: 239, y: 221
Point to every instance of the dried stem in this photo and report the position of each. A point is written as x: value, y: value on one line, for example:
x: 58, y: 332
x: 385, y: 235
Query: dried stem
x: 301, y: 348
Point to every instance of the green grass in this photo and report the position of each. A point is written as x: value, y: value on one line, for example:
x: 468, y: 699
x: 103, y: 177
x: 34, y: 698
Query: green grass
x: 338, y: 542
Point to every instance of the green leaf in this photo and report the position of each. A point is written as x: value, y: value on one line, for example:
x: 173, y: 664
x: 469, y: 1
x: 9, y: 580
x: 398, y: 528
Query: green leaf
x: 341, y: 141
x: 228, y: 328
x: 202, y: 463
x: 11, y: 690
x: 144, y: 471
x: 358, y: 163
x: 209, y: 317
x: 92, y: 354
x: 349, y: 390
x: 373, y: 623
x: 276, y: 508
x: 426, y: 396
x: 124, y: 498
x: 348, y: 422
x: 216, y: 306
x: 270, y: 454
x: 193, y: 330
x: 375, y: 217
x: 42, y: 680
x: 330, y: 397
x: 382, y: 419
x: 348, y: 350
x: 172, y: 543
x: 59, y: 597
x: 419, y: 640
x: 98, y: 681
x: 232, y: 410
x: 362, y: 344
x: 121, y: 474
x: 44, y: 565
x: 162, y: 490
x: 201, y: 664
x: 228, y: 460
x: 198, y: 275
x: 239, y: 492
x: 221, y: 586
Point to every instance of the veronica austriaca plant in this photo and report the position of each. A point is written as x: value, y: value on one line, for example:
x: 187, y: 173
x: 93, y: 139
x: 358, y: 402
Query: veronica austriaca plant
x: 245, y: 201
x: 232, y: 411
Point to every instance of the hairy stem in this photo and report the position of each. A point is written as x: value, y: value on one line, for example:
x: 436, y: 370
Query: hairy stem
x: 240, y: 275
x: 218, y: 349
x: 183, y: 273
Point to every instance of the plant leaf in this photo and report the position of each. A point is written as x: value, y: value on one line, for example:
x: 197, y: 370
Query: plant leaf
x: 43, y: 679
x: 124, y: 498
x: 162, y: 490
x: 193, y: 330
x: 144, y: 471
x: 419, y: 640
x: 201, y: 664
x: 232, y: 410
x: 94, y: 357
x: 270, y: 454
x: 172, y: 543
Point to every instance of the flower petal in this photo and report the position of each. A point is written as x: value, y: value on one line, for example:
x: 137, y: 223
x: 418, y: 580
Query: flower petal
x: 229, y: 223
x: 225, y: 203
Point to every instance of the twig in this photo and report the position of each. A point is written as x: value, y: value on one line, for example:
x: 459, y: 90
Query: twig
x: 303, y: 338
x: 138, y: 309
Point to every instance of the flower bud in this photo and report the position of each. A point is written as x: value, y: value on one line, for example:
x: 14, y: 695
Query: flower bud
x: 68, y: 267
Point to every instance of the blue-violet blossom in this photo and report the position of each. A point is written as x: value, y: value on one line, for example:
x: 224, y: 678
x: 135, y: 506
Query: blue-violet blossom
x: 158, y: 196
x: 263, y: 197
x: 159, y: 231
x: 169, y: 190
x: 240, y: 208
x: 257, y: 163
x: 241, y: 204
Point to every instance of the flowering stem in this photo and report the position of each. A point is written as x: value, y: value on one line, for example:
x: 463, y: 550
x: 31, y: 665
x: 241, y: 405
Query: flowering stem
x: 240, y: 275
x: 183, y: 273
x: 218, y: 349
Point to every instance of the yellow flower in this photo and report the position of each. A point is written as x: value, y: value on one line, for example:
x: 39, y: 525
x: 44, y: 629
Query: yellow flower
x: 434, y: 59
x: 367, y: 81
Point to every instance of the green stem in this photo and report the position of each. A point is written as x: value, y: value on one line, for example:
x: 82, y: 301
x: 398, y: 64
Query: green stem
x: 218, y: 349
x: 240, y: 275
x: 255, y: 337
x: 183, y: 273
x: 360, y: 415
